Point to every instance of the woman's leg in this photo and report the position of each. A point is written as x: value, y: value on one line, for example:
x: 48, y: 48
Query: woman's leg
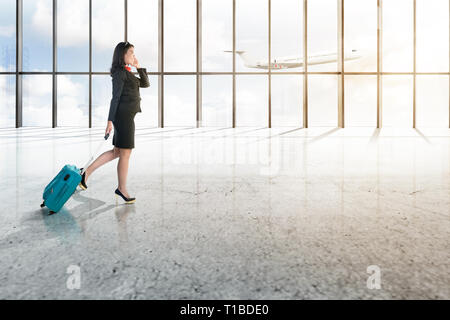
x: 122, y: 170
x: 101, y: 160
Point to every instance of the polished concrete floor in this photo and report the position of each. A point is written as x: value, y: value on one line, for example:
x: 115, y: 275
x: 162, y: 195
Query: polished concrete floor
x: 222, y: 213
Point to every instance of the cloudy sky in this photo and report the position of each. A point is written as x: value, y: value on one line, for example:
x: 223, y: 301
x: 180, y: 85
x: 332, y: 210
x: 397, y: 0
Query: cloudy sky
x: 252, y: 36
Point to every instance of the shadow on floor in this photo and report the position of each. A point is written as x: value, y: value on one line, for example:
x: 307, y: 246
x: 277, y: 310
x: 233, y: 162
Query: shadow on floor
x: 69, y: 224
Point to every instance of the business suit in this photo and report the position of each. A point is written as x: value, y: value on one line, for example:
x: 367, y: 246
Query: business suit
x: 125, y: 103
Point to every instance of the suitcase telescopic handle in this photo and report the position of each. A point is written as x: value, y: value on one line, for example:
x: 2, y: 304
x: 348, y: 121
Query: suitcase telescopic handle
x: 92, y: 156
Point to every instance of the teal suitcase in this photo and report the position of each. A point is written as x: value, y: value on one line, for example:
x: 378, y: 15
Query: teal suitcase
x: 61, y: 188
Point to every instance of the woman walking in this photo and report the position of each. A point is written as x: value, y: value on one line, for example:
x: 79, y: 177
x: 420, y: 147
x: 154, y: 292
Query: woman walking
x: 125, y: 103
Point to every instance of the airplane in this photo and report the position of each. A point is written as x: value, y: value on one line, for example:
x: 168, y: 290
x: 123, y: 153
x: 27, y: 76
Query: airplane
x: 295, y: 61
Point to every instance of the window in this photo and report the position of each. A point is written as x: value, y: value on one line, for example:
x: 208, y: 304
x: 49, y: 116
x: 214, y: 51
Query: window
x: 180, y: 35
x: 73, y: 100
x: 101, y: 99
x: 432, y: 36
x: 73, y: 35
x: 287, y: 34
x: 8, y: 101
x: 217, y: 35
x: 143, y: 32
x: 287, y: 100
x: 397, y: 101
x: 179, y: 101
x: 37, y: 35
x: 432, y: 101
x: 360, y: 100
x: 322, y: 35
x: 360, y: 33
x: 217, y: 101
x: 252, y: 35
x: 107, y: 32
x: 398, y: 36
x: 252, y: 50
x: 37, y: 100
x: 7, y: 35
x: 322, y: 100
x: 251, y: 100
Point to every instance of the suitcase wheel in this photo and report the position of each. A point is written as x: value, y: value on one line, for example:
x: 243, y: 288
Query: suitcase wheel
x: 42, y: 204
x: 51, y: 212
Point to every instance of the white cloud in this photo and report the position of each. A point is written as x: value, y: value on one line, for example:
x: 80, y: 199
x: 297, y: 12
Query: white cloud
x: 37, y: 101
x: 72, y: 102
x: 7, y: 98
x: 37, y: 92
x: 179, y: 102
x: 73, y: 21
x: 107, y: 24
x: 180, y: 35
x: 69, y: 88
x: 7, y: 31
x: 38, y: 86
x: 217, y: 35
x: 42, y: 18
x: 142, y: 32
x: 217, y: 100
x: 251, y: 100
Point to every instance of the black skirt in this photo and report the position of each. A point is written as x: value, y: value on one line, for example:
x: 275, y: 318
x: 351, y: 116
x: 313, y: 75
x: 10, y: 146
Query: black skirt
x: 124, y: 124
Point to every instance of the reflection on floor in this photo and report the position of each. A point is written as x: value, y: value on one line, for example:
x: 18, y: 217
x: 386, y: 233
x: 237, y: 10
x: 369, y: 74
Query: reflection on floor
x: 244, y: 213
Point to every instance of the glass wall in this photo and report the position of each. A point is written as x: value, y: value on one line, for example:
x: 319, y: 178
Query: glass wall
x: 73, y: 35
x: 180, y: 35
x: 360, y: 33
x: 37, y: 100
x: 101, y: 99
x: 143, y: 32
x: 398, y: 40
x: 180, y: 102
x: 251, y: 100
x: 252, y: 35
x: 107, y: 31
x: 322, y: 100
x: 360, y: 94
x: 37, y: 35
x: 217, y: 35
x: 432, y: 101
x: 7, y: 35
x: 7, y: 63
x: 8, y: 101
x: 432, y: 36
x: 322, y: 50
x: 73, y: 100
x: 215, y: 41
x: 287, y: 35
x: 287, y: 100
x: 217, y: 101
x: 397, y: 101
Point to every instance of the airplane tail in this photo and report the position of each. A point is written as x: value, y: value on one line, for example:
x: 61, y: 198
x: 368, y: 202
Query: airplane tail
x: 244, y: 56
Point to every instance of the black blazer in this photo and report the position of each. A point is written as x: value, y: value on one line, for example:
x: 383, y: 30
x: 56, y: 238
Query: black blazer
x: 125, y: 88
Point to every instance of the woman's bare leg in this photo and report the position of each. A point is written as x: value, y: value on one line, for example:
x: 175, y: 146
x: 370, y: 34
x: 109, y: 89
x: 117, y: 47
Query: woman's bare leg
x: 101, y: 160
x: 122, y: 170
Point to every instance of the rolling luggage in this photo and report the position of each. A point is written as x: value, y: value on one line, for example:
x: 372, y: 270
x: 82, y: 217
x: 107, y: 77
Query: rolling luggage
x: 61, y: 188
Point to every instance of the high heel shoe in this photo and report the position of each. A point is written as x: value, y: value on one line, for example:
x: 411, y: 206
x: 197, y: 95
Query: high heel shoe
x: 127, y: 200
x: 82, y: 183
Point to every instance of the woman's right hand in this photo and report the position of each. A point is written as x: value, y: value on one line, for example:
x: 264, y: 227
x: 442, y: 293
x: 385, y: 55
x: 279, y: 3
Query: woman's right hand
x: 109, y: 127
